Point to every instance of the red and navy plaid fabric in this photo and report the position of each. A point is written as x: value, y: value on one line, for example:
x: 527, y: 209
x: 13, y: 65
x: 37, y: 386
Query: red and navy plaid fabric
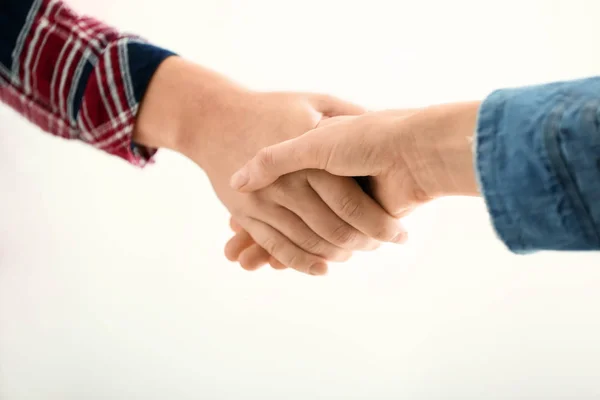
x: 74, y: 76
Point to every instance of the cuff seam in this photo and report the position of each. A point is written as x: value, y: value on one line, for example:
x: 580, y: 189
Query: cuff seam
x: 488, y: 121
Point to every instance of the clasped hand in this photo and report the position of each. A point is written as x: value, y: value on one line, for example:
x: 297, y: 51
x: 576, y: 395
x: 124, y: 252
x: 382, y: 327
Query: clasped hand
x: 305, y: 218
x: 301, y: 220
x: 410, y: 157
x: 295, y: 204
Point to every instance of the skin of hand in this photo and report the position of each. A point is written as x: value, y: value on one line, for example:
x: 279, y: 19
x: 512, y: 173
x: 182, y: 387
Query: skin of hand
x: 410, y: 156
x: 303, y: 219
x: 243, y: 249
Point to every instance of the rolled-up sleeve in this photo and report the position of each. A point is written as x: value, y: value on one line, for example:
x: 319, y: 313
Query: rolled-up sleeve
x: 538, y: 165
x: 74, y: 76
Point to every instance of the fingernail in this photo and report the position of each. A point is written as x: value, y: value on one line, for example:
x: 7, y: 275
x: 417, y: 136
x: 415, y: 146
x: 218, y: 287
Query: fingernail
x: 318, y: 269
x: 239, y: 179
x: 400, y: 238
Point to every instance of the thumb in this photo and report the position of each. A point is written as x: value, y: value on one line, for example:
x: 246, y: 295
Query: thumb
x: 304, y: 152
x: 331, y: 106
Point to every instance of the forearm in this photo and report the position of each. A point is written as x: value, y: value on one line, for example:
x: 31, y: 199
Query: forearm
x: 74, y: 76
x: 538, y: 160
x: 181, y: 92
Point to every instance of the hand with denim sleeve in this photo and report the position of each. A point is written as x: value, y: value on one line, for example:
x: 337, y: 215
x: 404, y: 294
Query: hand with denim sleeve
x: 410, y: 157
x: 532, y: 152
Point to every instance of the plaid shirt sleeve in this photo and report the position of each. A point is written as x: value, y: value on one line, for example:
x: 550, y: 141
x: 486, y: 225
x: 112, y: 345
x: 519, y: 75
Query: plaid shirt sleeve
x: 74, y: 76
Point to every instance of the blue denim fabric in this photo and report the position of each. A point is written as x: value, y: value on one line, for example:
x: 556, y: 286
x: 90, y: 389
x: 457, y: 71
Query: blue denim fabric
x: 538, y: 164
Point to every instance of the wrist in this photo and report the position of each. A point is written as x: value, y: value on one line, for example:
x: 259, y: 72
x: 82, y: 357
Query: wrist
x: 444, y: 137
x: 455, y: 148
x: 184, y: 107
x: 157, y: 124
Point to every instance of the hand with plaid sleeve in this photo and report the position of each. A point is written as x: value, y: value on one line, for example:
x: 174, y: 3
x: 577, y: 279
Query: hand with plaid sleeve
x: 77, y: 78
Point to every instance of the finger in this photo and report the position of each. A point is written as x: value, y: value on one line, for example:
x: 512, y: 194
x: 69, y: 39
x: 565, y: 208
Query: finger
x: 238, y: 250
x: 295, y: 229
x: 237, y: 244
x: 253, y: 258
x: 304, y: 152
x: 276, y: 264
x: 319, y: 218
x: 398, y: 203
x: 355, y: 147
x: 326, y: 121
x: 283, y: 250
x: 332, y: 106
x: 345, y: 198
x: 235, y: 226
x: 272, y: 162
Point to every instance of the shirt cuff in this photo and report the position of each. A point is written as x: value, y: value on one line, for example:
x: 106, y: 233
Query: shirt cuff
x: 538, y: 165
x: 109, y: 103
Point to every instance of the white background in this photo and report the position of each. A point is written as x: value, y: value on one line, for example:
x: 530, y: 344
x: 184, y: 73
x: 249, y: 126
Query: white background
x: 112, y: 280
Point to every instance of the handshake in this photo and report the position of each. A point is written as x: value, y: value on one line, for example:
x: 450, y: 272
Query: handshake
x: 284, y: 163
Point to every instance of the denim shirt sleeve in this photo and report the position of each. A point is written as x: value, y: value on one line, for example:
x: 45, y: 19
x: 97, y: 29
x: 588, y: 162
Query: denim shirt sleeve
x: 538, y: 165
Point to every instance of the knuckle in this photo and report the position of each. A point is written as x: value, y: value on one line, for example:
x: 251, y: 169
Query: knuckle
x: 271, y: 245
x: 315, y: 245
x: 385, y: 233
x: 282, y: 190
x: 294, y: 258
x: 331, y: 252
x: 278, y: 189
x: 350, y: 207
x: 298, y: 262
x: 265, y: 158
x: 276, y: 264
x: 289, y: 190
x: 312, y: 243
x: 344, y: 235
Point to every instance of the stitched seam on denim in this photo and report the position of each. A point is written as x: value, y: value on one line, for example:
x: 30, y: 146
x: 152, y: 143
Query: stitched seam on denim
x: 564, y: 176
x: 489, y: 178
x: 500, y: 117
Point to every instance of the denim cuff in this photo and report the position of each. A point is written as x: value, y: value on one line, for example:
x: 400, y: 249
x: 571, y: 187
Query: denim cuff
x: 537, y: 160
